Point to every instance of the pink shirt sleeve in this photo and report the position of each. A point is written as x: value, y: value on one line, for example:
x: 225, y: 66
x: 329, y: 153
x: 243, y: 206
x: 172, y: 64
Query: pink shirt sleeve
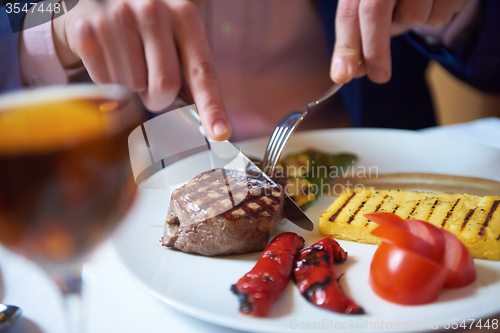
x: 39, y: 62
x: 38, y: 58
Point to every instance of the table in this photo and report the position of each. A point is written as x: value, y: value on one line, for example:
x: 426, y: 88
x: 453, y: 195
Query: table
x: 114, y: 301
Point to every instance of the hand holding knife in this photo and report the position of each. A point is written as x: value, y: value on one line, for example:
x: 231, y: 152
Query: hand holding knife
x: 291, y: 211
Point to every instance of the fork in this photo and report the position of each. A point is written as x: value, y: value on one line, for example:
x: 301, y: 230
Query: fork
x: 285, y: 128
x: 8, y: 314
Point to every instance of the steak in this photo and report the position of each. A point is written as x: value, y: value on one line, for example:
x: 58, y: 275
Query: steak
x: 222, y: 212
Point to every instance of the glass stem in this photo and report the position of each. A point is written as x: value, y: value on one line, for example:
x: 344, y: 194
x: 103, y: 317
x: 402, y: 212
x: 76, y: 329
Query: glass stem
x: 73, y: 312
x: 70, y: 283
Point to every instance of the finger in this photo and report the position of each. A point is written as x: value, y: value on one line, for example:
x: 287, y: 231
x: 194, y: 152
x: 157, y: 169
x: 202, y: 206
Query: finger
x: 199, y: 70
x: 411, y: 13
x: 164, y: 78
x: 129, y: 43
x: 84, y: 42
x: 375, y: 21
x: 361, y: 70
x: 443, y: 11
x: 347, y: 51
x: 110, y: 49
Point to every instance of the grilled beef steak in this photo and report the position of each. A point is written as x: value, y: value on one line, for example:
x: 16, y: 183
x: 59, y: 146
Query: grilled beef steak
x: 223, y: 212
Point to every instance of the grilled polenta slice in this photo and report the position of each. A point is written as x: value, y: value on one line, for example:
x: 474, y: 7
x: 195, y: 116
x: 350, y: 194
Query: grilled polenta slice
x: 474, y: 220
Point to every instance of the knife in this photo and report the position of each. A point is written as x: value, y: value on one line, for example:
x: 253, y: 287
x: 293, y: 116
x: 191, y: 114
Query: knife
x: 291, y: 210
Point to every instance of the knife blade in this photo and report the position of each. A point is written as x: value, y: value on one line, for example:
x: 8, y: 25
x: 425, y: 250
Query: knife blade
x: 291, y: 210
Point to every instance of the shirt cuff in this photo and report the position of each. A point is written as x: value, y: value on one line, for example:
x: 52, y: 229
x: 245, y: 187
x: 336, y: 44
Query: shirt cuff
x: 39, y: 62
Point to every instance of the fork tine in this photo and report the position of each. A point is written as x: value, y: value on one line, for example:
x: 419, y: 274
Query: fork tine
x: 271, y: 142
x: 279, y: 146
x: 279, y: 138
x: 278, y: 149
x: 277, y: 142
x: 282, y: 145
x: 271, y: 146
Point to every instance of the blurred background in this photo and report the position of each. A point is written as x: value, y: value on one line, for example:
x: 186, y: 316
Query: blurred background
x: 457, y: 102
x: 454, y: 101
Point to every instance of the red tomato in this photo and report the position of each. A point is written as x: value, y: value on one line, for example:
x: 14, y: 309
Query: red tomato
x: 404, y: 277
x: 431, y: 234
x: 404, y: 240
x: 421, y: 244
x: 383, y: 218
x: 422, y: 237
x: 459, y: 262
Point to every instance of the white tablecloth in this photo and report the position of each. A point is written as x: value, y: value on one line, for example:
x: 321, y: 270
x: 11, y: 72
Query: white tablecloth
x: 114, y: 302
x: 484, y: 131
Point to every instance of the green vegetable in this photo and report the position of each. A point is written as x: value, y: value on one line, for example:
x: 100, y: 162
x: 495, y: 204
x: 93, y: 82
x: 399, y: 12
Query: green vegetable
x: 327, y: 167
x: 295, y: 165
x: 310, y: 172
x: 301, y: 190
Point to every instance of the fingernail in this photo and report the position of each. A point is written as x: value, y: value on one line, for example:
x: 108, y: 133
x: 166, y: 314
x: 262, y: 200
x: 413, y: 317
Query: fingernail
x: 220, y: 128
x: 378, y: 75
x: 341, y: 68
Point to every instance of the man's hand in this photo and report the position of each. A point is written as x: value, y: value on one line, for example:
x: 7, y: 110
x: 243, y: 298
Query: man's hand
x: 364, y: 29
x: 148, y: 46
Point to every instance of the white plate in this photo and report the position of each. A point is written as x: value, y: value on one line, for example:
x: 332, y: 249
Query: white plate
x: 200, y: 285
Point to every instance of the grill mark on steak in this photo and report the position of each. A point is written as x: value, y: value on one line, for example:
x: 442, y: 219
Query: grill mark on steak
x: 228, y: 187
x: 268, y: 207
x: 254, y: 199
x: 220, y: 192
x: 224, y: 212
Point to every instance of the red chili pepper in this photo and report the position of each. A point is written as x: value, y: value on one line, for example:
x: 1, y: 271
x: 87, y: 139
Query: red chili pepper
x: 267, y: 280
x: 339, y: 254
x: 314, y: 275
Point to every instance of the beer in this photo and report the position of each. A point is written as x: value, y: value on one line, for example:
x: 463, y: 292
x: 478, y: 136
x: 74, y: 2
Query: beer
x: 65, y: 175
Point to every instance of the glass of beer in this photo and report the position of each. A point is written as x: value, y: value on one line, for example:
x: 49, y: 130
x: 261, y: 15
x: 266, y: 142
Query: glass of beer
x: 65, y: 176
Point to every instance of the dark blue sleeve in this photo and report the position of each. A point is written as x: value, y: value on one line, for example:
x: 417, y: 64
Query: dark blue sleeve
x: 404, y: 102
x: 10, y: 27
x: 477, y: 61
x: 10, y: 72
